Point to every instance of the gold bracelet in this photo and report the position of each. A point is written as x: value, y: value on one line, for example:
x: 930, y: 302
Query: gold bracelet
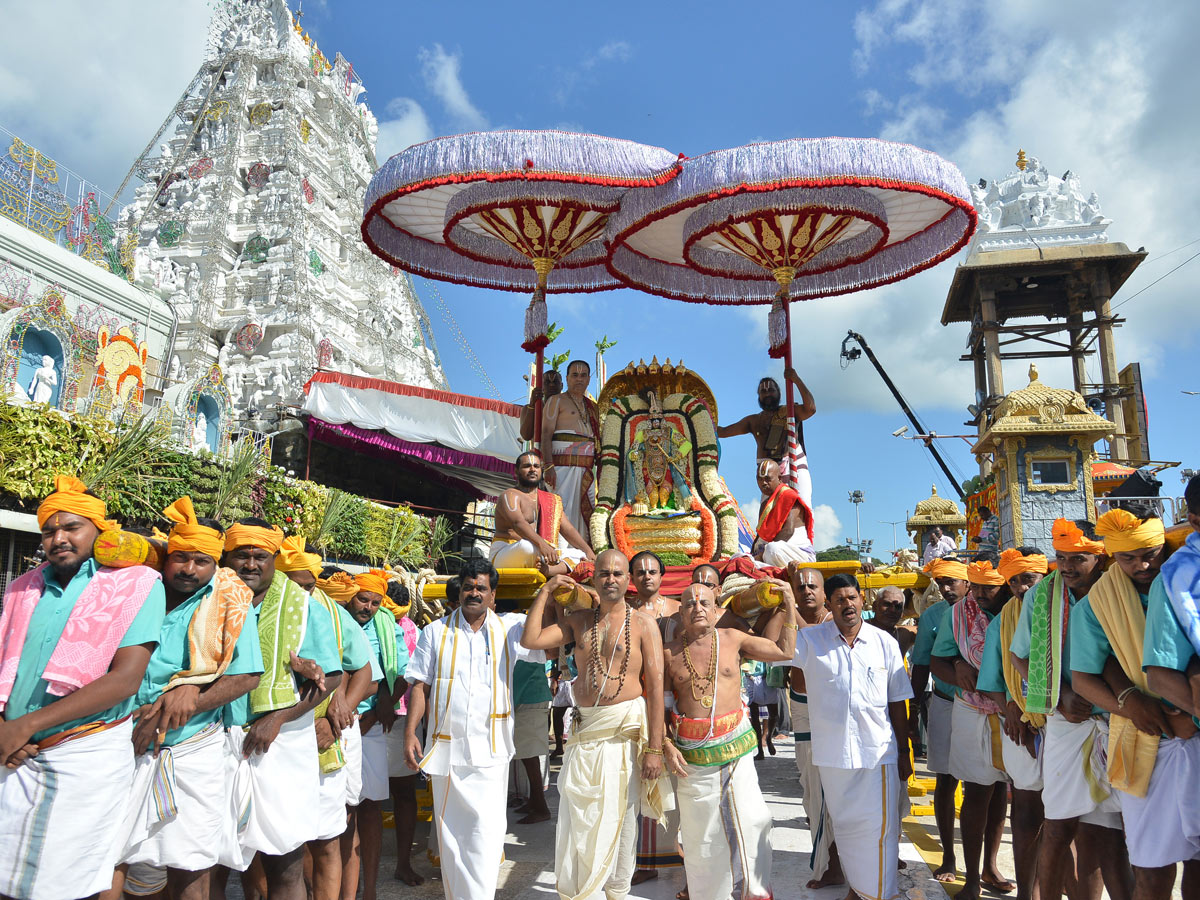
x: 654, y: 752
x: 791, y: 625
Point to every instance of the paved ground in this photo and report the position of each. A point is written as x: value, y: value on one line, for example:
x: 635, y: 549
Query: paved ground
x: 529, y: 867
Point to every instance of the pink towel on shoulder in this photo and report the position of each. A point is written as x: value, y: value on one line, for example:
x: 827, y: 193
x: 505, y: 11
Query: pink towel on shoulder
x: 102, y: 614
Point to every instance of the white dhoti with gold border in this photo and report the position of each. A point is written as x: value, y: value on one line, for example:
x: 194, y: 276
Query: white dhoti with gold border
x: 863, y: 805
x: 797, y: 548
x: 574, y: 458
x: 1024, y: 770
x: 468, y: 812
x: 600, y: 787
x: 523, y: 555
x: 54, y: 808
x: 975, y: 746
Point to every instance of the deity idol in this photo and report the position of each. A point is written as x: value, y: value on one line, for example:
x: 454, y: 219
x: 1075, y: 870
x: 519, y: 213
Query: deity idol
x: 656, y: 459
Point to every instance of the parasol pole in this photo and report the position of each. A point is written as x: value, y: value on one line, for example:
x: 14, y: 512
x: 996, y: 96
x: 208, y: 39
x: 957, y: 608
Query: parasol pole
x: 784, y: 276
x: 542, y: 265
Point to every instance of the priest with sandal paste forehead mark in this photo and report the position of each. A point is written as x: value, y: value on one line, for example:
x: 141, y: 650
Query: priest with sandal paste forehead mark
x: 1153, y: 748
x: 1022, y: 569
x: 570, y: 429
x: 725, y: 854
x: 462, y: 673
x: 271, y: 730
x: 616, y: 749
x: 1079, y: 804
x: 339, y: 744
x: 75, y: 639
x: 208, y: 654
x: 857, y: 688
x: 785, y: 523
x: 531, y: 530
x: 377, y: 716
x: 975, y: 731
x: 808, y: 588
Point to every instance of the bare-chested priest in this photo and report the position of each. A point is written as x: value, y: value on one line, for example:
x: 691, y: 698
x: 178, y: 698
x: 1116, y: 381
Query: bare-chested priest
x: 531, y: 531
x: 615, y: 754
x: 713, y: 746
x: 568, y: 439
x: 769, y: 426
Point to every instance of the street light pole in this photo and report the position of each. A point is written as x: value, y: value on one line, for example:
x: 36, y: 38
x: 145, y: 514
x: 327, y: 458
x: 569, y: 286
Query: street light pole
x: 893, y: 524
x: 857, y: 497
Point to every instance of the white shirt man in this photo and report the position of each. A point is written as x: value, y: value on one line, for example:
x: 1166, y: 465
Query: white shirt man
x: 856, y: 691
x: 462, y: 670
x: 939, y: 546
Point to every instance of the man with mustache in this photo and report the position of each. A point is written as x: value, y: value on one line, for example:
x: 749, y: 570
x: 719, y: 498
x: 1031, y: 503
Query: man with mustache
x: 75, y: 639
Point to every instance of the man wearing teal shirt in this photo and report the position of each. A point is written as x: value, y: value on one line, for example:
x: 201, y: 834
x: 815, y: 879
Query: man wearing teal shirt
x: 1078, y: 806
x: 951, y: 577
x: 377, y: 715
x: 1153, y: 748
x: 271, y: 729
x: 64, y: 735
x: 180, y: 736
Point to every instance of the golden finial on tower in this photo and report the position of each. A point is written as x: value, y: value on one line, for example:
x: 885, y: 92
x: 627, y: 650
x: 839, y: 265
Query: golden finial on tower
x: 1022, y: 162
x: 1033, y: 373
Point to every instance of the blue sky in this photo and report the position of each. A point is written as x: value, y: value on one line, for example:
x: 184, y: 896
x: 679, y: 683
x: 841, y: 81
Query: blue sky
x: 1080, y: 85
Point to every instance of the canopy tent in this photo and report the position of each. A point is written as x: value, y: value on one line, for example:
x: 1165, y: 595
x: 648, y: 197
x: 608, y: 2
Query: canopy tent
x: 469, y: 440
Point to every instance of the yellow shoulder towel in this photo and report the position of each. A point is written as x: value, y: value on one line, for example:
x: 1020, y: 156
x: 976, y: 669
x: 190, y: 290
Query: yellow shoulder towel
x: 214, y: 630
x: 1131, y: 753
x: 1009, y: 616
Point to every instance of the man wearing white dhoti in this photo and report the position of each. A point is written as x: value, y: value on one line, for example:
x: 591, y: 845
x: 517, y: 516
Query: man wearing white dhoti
x: 785, y: 523
x: 856, y: 692
x: 462, y: 674
x: 614, y: 757
x: 272, y: 741
x: 1078, y: 801
x: 208, y: 655
x: 569, y: 430
x: 724, y: 823
x: 1153, y: 751
x: 531, y: 530
x: 75, y: 639
x: 1170, y: 648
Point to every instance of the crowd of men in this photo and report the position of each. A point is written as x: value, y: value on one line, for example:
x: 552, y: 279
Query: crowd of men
x: 246, y: 708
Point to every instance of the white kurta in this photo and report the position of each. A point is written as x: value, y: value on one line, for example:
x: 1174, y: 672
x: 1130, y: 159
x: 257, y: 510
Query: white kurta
x: 470, y: 741
x: 53, y: 845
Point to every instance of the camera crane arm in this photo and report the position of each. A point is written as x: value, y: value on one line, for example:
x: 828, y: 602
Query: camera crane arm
x: 850, y: 354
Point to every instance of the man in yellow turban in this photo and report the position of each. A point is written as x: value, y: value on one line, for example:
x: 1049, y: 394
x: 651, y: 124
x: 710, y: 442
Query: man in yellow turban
x: 336, y: 718
x: 75, y: 639
x: 1152, y: 750
x: 975, y: 721
x: 207, y: 656
x: 1021, y: 568
x: 950, y: 574
x: 377, y: 716
x: 273, y: 726
x: 1078, y: 802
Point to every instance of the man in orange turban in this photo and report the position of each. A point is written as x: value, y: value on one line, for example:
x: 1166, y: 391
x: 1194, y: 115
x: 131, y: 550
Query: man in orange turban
x: 277, y: 737
x: 69, y: 629
x: 1151, y: 748
x: 950, y: 574
x: 377, y: 715
x: 298, y: 562
x: 1021, y: 568
x: 207, y: 656
x: 975, y: 721
x: 1078, y: 802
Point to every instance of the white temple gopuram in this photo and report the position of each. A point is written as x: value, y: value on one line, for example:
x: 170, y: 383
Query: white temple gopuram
x: 249, y: 215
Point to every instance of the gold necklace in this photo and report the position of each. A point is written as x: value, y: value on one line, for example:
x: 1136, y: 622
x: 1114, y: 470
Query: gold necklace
x: 704, y: 697
x: 584, y: 420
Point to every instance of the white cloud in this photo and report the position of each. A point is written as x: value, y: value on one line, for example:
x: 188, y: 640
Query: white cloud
x: 1078, y: 93
x: 94, y: 95
x: 583, y: 72
x: 827, y: 527
x: 613, y: 51
x: 442, y: 76
x: 406, y: 124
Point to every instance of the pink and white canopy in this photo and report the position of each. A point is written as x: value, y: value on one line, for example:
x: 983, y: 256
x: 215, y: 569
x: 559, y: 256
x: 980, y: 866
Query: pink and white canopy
x: 797, y: 219
x: 502, y: 209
